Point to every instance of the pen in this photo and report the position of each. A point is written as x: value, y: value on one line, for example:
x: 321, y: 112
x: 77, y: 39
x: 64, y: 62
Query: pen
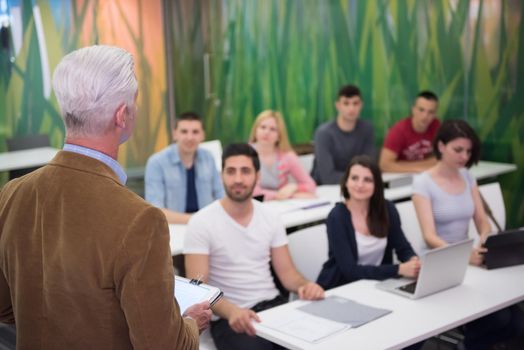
x: 315, y: 205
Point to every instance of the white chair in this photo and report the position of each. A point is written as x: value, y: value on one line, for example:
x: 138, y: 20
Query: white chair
x: 206, y: 341
x: 215, y: 147
x: 306, y: 160
x: 492, y: 194
x: 309, y: 250
x: 410, y: 225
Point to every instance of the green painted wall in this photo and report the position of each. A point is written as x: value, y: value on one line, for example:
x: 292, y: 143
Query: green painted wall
x: 294, y: 55
x: 48, y: 30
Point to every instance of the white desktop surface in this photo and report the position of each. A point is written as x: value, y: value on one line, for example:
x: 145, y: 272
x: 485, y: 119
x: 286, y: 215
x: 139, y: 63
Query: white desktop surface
x: 26, y: 158
x: 295, y: 212
x: 387, y: 177
x: 411, y: 321
x: 332, y: 193
x: 484, y: 169
x: 329, y: 192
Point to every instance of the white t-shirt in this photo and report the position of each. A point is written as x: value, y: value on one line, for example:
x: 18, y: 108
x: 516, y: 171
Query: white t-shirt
x: 239, y: 257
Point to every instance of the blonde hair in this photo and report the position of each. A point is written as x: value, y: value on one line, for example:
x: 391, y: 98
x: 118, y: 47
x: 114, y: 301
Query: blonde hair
x: 283, y: 139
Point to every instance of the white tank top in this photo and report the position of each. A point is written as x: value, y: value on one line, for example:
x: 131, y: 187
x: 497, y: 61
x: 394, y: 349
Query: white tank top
x: 370, y: 249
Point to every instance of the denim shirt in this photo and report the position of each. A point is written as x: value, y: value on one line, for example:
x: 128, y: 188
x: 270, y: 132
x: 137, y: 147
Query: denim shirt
x: 166, y: 178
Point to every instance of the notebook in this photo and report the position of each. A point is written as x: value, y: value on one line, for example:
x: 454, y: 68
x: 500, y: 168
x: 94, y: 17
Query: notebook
x: 189, y: 292
x: 440, y: 269
x: 340, y: 309
x: 504, y: 249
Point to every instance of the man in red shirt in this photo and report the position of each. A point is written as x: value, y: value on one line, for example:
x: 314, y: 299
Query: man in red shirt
x: 407, y: 147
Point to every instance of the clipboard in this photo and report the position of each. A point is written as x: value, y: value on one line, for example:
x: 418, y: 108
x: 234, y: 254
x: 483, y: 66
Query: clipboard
x: 191, y: 291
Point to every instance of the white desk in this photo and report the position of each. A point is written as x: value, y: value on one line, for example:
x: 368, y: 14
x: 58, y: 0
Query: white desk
x: 295, y: 212
x: 484, y: 169
x: 411, y: 321
x: 332, y: 193
x: 393, y: 180
x: 26, y: 158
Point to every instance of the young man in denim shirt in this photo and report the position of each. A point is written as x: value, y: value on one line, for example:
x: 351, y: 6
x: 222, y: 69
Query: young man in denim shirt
x: 183, y: 178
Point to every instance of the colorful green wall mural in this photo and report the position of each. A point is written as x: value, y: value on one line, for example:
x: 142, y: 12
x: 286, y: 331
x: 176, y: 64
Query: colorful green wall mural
x: 233, y: 58
x: 42, y: 32
x: 236, y: 58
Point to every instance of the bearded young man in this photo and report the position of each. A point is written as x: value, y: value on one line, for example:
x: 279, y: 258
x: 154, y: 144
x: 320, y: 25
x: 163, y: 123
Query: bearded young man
x: 231, y: 244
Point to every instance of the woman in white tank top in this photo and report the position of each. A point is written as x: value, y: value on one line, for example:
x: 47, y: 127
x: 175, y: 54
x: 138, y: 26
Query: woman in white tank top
x: 364, y: 230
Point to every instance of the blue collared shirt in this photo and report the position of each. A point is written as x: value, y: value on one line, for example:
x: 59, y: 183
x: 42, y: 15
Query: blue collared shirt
x: 166, y: 179
x: 104, y: 158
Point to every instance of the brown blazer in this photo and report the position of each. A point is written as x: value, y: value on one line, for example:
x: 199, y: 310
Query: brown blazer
x: 86, y: 263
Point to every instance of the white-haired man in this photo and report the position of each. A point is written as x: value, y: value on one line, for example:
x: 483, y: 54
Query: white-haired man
x: 85, y: 262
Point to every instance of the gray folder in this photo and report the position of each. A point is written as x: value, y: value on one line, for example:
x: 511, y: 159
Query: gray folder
x: 344, y: 310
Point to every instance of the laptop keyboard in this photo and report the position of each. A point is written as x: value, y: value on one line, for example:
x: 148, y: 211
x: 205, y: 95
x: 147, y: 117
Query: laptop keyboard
x: 409, y: 288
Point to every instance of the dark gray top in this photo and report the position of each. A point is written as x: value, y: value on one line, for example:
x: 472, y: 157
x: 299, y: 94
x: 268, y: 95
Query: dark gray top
x: 335, y: 148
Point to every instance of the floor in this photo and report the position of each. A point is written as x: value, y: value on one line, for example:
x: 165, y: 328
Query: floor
x: 437, y: 344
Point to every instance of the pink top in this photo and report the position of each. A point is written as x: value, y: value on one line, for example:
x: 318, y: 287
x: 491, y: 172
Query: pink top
x: 288, y: 164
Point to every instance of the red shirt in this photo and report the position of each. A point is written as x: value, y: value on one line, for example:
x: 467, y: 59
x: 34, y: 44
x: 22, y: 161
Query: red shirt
x: 409, y: 144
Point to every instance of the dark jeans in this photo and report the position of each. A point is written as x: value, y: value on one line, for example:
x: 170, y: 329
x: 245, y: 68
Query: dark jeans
x: 226, y: 338
x: 499, y: 326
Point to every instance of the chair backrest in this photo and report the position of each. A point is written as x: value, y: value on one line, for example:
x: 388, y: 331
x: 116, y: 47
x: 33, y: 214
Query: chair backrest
x: 309, y: 250
x: 27, y: 142
x: 215, y: 147
x: 410, y: 225
x: 306, y: 160
x: 206, y: 341
x: 20, y: 143
x: 492, y: 194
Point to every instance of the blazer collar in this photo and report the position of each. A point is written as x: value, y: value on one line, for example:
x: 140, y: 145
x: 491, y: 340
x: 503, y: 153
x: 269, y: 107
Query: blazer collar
x: 84, y: 163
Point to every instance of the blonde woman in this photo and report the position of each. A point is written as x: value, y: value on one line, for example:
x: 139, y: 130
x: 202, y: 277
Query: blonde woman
x: 278, y: 160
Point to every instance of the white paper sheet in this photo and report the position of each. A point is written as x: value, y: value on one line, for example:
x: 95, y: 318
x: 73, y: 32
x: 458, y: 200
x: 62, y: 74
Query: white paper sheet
x: 306, y: 327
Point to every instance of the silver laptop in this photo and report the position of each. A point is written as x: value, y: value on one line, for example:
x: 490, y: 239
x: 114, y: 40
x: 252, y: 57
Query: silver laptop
x: 441, y: 268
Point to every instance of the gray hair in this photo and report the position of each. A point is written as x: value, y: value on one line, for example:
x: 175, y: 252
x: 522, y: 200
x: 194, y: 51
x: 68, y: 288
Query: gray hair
x: 90, y: 84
